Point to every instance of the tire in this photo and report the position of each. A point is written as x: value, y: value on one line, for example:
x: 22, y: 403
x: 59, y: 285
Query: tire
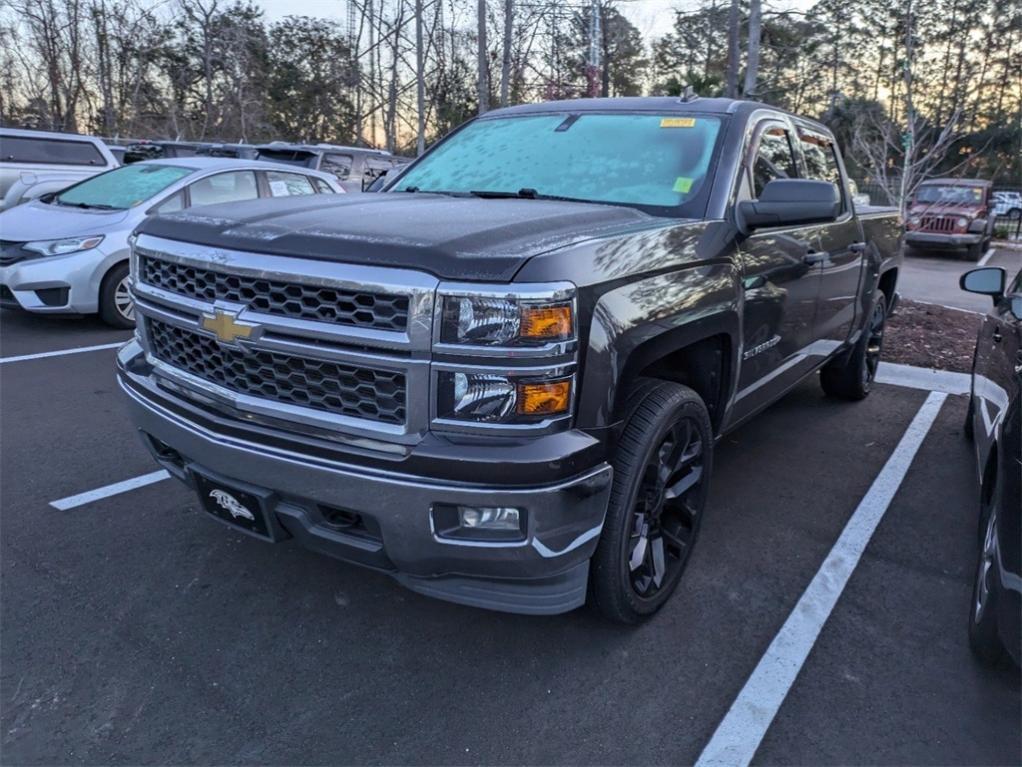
x: 851, y: 376
x: 112, y: 308
x: 662, y: 468
x: 984, y: 638
x: 974, y: 252
x: 1015, y: 213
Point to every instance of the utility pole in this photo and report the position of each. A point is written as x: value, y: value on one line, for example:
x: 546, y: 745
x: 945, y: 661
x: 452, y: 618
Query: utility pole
x: 420, y: 81
x: 505, y: 61
x: 595, y: 49
x: 752, y: 63
x: 733, y: 54
x: 482, y: 62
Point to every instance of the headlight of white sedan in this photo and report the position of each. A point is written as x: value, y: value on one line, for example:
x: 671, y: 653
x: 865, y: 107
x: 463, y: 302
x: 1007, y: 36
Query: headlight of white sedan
x: 64, y: 246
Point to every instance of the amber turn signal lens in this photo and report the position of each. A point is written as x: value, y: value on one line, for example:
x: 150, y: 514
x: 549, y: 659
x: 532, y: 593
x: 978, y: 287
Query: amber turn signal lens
x: 550, y: 398
x: 546, y: 323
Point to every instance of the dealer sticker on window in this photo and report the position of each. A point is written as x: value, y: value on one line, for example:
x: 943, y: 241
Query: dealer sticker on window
x: 677, y: 122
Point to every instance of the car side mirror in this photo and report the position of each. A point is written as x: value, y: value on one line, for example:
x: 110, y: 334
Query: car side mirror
x: 791, y: 201
x: 987, y: 281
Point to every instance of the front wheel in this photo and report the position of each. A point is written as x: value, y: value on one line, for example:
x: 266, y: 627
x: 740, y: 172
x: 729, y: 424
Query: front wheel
x: 661, y: 476
x: 851, y: 376
x: 116, y: 307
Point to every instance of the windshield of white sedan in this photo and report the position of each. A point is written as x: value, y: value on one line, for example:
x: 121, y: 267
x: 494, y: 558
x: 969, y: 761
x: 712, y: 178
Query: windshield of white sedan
x: 654, y: 162
x: 123, y: 187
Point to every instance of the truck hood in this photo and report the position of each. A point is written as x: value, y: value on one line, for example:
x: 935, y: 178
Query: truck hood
x: 39, y: 221
x: 451, y: 237
x: 938, y: 209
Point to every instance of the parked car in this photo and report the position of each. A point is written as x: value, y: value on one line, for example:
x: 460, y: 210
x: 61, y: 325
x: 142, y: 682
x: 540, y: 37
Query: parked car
x: 160, y: 150
x: 33, y: 163
x: 239, y: 151
x: 67, y: 253
x: 994, y: 422
x: 355, y: 167
x: 951, y: 214
x: 501, y: 381
x: 1008, y: 204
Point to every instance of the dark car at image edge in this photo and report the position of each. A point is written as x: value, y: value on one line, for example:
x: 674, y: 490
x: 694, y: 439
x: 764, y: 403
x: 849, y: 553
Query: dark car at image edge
x: 501, y: 379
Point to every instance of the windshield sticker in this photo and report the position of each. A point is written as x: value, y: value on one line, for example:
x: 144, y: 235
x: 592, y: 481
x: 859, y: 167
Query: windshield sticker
x: 677, y: 122
x: 279, y: 189
x: 682, y: 185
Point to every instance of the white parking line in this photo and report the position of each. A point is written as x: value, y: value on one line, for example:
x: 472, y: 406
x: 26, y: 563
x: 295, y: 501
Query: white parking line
x: 926, y: 379
x: 62, y: 352
x: 73, y: 501
x: 739, y: 734
x: 986, y: 257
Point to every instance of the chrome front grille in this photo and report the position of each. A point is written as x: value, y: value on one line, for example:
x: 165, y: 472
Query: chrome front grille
x: 342, y: 349
x: 281, y: 298
x: 356, y: 392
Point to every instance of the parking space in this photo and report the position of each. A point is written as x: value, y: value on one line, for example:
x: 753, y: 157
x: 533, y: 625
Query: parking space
x: 135, y: 629
x: 933, y: 277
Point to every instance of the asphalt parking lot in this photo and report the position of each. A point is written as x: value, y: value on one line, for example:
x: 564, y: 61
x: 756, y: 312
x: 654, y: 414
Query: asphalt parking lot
x: 134, y: 630
x: 933, y: 277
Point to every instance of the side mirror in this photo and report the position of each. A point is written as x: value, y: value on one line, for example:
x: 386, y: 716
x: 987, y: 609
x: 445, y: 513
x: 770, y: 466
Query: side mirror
x: 791, y: 201
x: 987, y: 281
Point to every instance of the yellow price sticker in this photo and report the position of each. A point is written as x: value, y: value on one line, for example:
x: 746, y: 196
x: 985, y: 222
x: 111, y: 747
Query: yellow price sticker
x: 682, y: 185
x: 677, y: 122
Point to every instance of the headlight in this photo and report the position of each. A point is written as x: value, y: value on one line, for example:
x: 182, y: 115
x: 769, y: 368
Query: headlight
x: 63, y: 247
x: 497, y: 398
x: 962, y: 222
x: 506, y: 320
x: 914, y: 220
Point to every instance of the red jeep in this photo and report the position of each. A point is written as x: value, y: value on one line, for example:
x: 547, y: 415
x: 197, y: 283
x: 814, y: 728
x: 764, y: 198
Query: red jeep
x: 951, y: 214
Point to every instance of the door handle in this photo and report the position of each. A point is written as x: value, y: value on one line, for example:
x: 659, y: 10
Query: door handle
x: 813, y: 257
x: 857, y: 247
x: 997, y: 335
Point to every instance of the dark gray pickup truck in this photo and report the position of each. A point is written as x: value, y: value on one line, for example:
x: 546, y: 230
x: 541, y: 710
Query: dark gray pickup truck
x: 501, y: 380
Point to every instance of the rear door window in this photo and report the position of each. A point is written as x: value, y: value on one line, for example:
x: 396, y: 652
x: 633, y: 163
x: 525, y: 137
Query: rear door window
x: 49, y: 151
x: 224, y: 187
x: 338, y: 164
x: 288, y: 184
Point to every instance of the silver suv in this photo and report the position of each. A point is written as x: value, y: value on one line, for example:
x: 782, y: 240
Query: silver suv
x: 34, y: 163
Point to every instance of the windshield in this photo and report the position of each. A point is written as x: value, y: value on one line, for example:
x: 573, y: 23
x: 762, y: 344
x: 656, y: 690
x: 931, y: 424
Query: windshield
x: 123, y: 187
x: 950, y: 194
x: 659, y: 163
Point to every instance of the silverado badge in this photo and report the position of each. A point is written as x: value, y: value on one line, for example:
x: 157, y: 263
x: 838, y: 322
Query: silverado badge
x: 227, y: 501
x: 225, y: 325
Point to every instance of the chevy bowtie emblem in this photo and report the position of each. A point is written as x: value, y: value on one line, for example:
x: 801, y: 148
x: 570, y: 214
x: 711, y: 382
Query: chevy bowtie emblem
x: 227, y: 328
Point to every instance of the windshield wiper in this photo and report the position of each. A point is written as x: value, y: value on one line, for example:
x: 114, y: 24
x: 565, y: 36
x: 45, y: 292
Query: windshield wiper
x: 528, y: 193
x: 86, y: 206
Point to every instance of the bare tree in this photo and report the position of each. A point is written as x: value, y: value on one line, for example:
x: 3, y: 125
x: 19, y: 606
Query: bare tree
x: 733, y: 52
x: 752, y: 58
x: 482, y: 60
x: 505, y: 60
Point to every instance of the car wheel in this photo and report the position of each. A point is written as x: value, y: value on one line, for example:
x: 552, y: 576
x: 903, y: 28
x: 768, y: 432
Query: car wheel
x: 1015, y: 213
x: 115, y: 305
x: 662, y: 467
x: 983, y: 635
x: 974, y: 252
x: 851, y: 376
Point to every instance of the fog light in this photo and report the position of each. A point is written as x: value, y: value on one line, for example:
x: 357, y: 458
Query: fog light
x: 499, y: 518
x: 486, y: 523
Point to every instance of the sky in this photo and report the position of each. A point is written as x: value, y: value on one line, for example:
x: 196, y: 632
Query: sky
x: 652, y: 17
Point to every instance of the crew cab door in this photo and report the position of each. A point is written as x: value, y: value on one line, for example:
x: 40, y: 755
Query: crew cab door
x: 839, y: 244
x: 780, y: 281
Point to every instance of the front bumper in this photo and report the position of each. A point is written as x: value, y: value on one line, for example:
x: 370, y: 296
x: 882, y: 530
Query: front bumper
x: 943, y: 241
x: 57, y: 284
x: 546, y: 573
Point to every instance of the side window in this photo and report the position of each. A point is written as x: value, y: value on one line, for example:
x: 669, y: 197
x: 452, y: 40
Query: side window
x: 288, y: 184
x: 338, y: 164
x: 375, y: 168
x: 224, y: 187
x: 172, y: 204
x: 322, y: 186
x: 821, y: 162
x: 49, y: 151
x: 774, y: 158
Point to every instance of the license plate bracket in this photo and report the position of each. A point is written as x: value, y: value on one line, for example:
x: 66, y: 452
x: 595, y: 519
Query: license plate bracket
x: 242, y: 506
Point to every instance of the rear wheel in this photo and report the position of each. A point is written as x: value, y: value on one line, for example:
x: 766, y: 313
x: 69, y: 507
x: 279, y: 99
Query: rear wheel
x: 983, y: 636
x: 661, y: 472
x: 115, y: 305
x: 851, y: 376
x: 975, y: 252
